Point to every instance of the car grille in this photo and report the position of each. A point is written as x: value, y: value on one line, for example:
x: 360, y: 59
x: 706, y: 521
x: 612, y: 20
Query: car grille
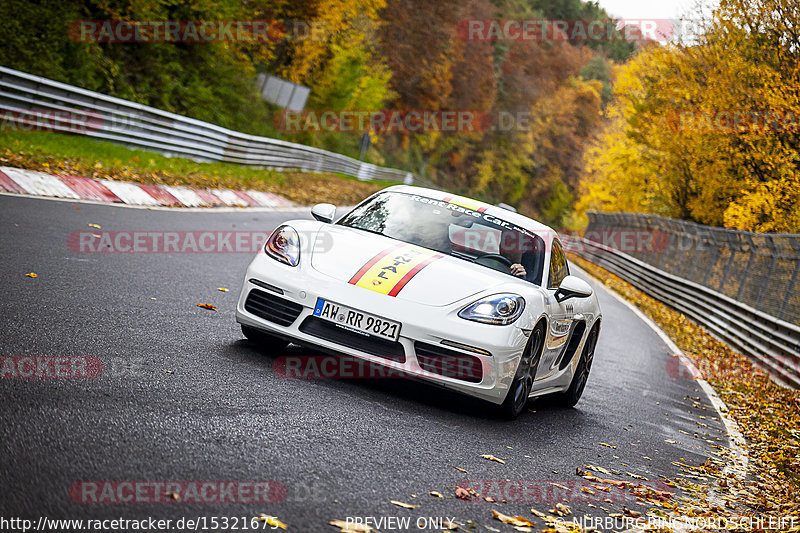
x: 270, y: 307
x: 368, y: 344
x: 448, y: 363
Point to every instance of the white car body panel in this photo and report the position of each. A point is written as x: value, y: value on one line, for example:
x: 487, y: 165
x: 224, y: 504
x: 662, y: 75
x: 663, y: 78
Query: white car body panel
x: 427, y: 306
x: 351, y: 249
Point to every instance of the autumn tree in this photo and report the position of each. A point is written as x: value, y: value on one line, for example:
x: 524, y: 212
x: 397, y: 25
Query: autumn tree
x: 707, y: 130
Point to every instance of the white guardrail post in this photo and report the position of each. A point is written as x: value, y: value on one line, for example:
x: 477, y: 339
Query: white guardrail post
x: 65, y: 108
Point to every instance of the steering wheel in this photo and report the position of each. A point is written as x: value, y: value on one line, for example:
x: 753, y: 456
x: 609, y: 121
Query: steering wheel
x: 504, y: 261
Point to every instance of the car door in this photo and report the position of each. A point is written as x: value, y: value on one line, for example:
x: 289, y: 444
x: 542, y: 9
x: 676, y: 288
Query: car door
x: 561, y: 313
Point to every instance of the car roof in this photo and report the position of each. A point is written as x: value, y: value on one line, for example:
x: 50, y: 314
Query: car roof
x: 522, y: 221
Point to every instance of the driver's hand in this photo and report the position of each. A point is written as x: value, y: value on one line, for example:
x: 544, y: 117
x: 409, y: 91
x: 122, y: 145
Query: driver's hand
x: 518, y: 270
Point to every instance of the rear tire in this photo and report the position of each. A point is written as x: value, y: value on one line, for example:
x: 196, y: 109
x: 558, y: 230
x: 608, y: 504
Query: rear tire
x: 264, y: 339
x: 570, y: 397
x: 517, y: 397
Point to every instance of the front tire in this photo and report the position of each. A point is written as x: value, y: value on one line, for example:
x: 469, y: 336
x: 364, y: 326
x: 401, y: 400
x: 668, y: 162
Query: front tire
x: 517, y: 397
x: 570, y: 397
x: 264, y: 339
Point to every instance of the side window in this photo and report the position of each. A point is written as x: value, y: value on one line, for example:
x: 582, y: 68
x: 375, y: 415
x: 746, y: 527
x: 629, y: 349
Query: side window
x: 558, y: 266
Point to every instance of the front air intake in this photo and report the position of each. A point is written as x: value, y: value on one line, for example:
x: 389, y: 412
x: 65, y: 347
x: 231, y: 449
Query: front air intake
x: 272, y: 308
x: 358, y: 341
x: 449, y: 363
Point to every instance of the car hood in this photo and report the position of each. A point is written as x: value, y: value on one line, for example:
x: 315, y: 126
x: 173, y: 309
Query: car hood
x: 411, y: 272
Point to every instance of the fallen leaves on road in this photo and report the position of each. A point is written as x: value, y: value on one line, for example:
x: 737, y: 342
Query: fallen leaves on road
x: 222, y: 289
x: 630, y: 512
x: 435, y: 494
x: 96, y: 226
x: 599, y: 469
x: 636, y: 476
x: 404, y: 505
x: 512, y: 520
x: 493, y: 458
x: 208, y: 306
x: 765, y: 412
x: 561, y: 510
x: 31, y: 274
x: 465, y: 494
x: 168, y: 371
x: 271, y: 521
x: 652, y: 495
x: 557, y: 525
x: 461, y: 470
x: 608, y: 445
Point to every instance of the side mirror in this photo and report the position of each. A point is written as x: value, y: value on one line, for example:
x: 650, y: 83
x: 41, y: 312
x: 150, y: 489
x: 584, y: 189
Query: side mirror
x: 324, y: 212
x: 573, y: 287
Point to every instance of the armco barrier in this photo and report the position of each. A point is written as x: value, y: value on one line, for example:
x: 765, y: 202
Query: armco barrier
x: 74, y: 110
x: 772, y: 344
x: 757, y: 269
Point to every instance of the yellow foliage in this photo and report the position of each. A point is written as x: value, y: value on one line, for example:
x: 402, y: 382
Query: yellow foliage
x: 346, y: 23
x: 707, y: 130
x: 756, y: 210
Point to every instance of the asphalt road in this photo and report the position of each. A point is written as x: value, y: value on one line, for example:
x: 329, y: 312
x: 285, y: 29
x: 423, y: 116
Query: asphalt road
x: 184, y: 397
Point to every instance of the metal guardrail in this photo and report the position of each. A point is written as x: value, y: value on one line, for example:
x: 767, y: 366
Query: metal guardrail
x: 773, y: 344
x: 70, y: 109
x: 757, y: 269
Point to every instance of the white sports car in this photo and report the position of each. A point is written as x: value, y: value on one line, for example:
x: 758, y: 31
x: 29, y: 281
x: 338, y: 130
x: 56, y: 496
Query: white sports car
x: 470, y: 296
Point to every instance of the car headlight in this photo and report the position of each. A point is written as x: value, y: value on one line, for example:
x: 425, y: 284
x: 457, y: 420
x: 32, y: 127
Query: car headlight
x: 284, y: 246
x: 500, y: 309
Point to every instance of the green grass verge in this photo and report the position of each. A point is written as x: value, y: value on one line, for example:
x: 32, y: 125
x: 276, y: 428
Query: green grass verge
x: 83, y: 156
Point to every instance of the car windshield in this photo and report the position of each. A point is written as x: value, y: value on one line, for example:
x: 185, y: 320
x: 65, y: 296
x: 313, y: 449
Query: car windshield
x: 451, y: 229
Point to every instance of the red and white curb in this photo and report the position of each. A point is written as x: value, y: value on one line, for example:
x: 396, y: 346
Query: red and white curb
x: 19, y: 181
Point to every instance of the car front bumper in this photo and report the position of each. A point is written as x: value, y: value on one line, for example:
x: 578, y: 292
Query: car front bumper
x: 423, y: 326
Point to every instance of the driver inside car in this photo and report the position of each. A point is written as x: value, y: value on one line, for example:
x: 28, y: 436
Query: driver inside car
x: 522, y: 250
